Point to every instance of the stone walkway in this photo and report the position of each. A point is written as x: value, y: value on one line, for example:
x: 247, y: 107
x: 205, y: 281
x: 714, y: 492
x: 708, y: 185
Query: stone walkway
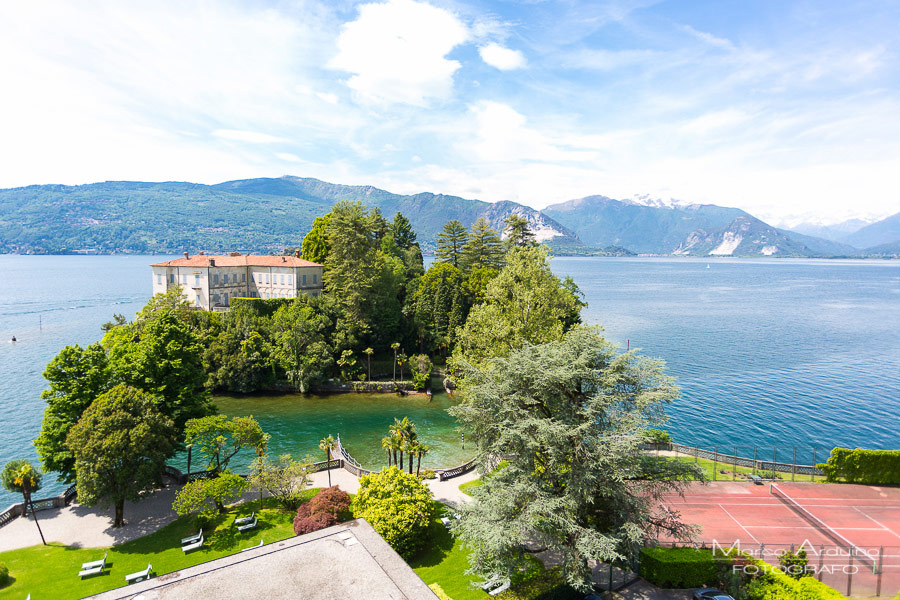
x: 84, y: 527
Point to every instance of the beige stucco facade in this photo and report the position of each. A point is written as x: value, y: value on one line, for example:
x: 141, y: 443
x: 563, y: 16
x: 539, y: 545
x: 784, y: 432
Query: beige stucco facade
x: 210, y: 282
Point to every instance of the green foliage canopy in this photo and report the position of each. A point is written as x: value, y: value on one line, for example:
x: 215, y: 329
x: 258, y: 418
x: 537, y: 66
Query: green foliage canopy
x: 398, y: 506
x: 219, y: 438
x: 120, y: 446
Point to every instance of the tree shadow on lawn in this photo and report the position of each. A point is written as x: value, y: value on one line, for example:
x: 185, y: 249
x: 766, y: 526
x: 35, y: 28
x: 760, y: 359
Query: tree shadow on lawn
x: 438, y: 544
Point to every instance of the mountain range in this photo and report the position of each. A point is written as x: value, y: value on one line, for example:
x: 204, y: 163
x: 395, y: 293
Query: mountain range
x: 268, y: 214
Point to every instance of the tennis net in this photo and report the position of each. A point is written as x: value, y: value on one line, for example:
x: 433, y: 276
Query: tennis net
x: 824, y: 529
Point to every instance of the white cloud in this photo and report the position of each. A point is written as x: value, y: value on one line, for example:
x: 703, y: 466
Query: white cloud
x: 502, y: 58
x: 252, y: 137
x: 327, y: 97
x: 289, y: 157
x: 397, y: 52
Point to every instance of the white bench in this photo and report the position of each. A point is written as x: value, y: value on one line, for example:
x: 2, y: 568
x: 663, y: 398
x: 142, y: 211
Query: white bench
x: 247, y: 526
x: 244, y: 520
x: 192, y: 538
x: 140, y: 575
x: 254, y: 547
x: 93, y: 567
x: 193, y: 546
x: 501, y: 588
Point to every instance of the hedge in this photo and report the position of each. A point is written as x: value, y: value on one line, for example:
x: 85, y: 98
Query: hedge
x: 4, y: 575
x: 773, y: 584
x: 678, y: 567
x: 260, y: 307
x: 873, y: 467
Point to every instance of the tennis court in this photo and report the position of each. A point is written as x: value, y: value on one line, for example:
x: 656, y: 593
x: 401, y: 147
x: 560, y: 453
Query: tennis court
x: 851, y: 532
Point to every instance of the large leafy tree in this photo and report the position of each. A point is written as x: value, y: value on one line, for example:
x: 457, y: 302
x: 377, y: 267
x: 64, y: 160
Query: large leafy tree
x: 301, y: 346
x: 483, y: 248
x: 20, y: 477
x: 570, y: 417
x: 76, y: 376
x: 120, y: 446
x: 219, y: 438
x: 163, y: 357
x: 525, y: 303
x: 315, y: 245
x: 450, y: 242
x: 398, y: 506
x: 284, y: 478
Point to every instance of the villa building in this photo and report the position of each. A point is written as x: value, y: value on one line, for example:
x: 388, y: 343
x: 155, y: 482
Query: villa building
x: 210, y: 281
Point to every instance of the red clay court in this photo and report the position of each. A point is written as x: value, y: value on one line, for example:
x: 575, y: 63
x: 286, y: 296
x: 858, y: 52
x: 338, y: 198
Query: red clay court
x: 833, y: 521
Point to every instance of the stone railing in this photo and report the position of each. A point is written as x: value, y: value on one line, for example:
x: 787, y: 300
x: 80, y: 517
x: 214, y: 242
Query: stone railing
x: 17, y: 510
x: 445, y: 474
x: 740, y: 461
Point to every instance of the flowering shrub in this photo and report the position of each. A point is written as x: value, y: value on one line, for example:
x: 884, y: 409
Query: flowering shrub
x: 398, y: 506
x: 323, y: 510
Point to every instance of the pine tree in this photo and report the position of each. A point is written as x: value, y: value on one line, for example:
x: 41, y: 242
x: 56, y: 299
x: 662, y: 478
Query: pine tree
x: 450, y: 243
x: 484, y: 248
x: 457, y: 315
x: 402, y: 232
x: 441, y: 311
x: 517, y: 233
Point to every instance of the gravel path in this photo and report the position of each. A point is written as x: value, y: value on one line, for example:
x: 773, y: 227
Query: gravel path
x: 85, y: 527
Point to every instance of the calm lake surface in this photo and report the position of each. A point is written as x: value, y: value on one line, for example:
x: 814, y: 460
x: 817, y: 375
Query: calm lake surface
x: 786, y: 352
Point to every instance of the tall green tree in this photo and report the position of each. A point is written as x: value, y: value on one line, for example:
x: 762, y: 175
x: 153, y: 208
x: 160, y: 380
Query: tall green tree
x: 18, y: 476
x: 450, y: 243
x: 76, y: 376
x: 402, y: 232
x: 525, y: 303
x: 219, y: 438
x: 164, y: 357
x: 315, y: 246
x: 353, y: 263
x: 301, y: 345
x: 328, y: 445
x: 517, y: 232
x: 120, y: 445
x: 571, y: 416
x: 483, y: 248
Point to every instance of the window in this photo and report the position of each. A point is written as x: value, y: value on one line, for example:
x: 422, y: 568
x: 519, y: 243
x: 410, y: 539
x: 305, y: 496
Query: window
x: 267, y: 278
x: 315, y: 278
x: 172, y: 278
x: 304, y: 280
x: 216, y: 279
x: 290, y: 279
x: 196, y: 280
x: 198, y: 295
x: 225, y: 278
x: 226, y: 298
x: 282, y: 279
x: 158, y: 279
x: 184, y: 280
x: 243, y: 277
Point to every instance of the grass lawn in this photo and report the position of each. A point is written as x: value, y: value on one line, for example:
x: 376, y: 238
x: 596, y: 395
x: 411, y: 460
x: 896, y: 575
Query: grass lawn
x: 52, y: 571
x: 713, y: 471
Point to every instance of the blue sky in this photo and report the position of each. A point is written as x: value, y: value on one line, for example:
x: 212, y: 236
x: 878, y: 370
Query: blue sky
x: 790, y: 110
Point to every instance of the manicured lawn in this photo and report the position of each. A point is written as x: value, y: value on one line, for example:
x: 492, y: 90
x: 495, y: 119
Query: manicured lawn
x: 445, y: 562
x: 713, y: 471
x: 52, y: 571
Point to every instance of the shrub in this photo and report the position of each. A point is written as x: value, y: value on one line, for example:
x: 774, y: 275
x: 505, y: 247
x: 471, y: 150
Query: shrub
x: 774, y: 585
x: 4, y: 575
x: 678, y: 567
x: 398, y: 506
x: 657, y: 436
x: 428, y: 474
x: 793, y: 563
x: 439, y: 592
x: 872, y: 467
x: 325, y: 509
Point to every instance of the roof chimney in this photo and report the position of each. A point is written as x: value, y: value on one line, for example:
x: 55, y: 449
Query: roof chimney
x: 201, y: 253
x: 186, y: 256
x: 212, y: 262
x: 284, y: 259
x: 297, y: 253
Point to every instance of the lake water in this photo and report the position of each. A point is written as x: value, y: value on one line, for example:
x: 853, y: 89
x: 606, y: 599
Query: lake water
x: 786, y: 352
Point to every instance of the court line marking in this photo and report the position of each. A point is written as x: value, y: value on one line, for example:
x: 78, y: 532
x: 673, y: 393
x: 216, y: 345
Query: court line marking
x: 888, y: 529
x: 739, y: 524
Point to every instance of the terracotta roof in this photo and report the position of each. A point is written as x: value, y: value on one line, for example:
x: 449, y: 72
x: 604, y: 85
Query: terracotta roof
x: 221, y: 260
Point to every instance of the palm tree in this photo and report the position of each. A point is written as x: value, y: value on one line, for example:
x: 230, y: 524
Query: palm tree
x: 327, y: 445
x: 421, y: 450
x: 395, y: 346
x: 387, y: 443
x: 368, y: 352
x: 19, y: 476
x: 395, y: 435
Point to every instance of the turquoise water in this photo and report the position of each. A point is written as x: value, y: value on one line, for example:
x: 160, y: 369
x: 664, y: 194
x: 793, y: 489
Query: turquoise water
x: 787, y: 352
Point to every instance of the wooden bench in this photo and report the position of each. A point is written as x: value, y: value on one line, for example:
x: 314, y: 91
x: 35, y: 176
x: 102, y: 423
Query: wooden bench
x: 140, y: 575
x: 93, y: 567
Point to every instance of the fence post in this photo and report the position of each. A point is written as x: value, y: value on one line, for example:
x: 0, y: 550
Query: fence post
x: 754, y: 460
x: 880, y: 570
x: 814, y: 464
x: 734, y: 466
x: 774, y: 459
x: 696, y: 455
x: 715, y: 461
x: 821, y: 561
x: 794, y: 465
x: 850, y: 571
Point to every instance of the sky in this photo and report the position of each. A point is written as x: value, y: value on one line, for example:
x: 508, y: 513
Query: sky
x: 789, y: 110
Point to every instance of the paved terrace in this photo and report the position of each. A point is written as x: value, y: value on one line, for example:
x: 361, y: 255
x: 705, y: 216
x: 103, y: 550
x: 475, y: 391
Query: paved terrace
x: 82, y: 526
